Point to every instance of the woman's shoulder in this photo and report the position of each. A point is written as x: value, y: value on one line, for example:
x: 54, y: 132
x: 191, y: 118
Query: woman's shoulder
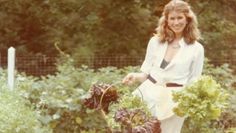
x: 197, y: 46
x: 154, y: 40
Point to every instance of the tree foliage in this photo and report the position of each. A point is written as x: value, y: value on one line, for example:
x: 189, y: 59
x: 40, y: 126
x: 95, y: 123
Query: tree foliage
x: 104, y: 27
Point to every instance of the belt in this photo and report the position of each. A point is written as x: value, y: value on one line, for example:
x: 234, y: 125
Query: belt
x: 167, y: 84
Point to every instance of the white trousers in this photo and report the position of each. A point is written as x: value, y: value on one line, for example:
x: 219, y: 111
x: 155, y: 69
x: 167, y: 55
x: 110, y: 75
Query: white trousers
x: 172, y: 125
x: 160, y: 103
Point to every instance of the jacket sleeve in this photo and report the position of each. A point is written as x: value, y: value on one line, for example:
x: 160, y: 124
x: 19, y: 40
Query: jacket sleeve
x: 197, y: 64
x: 149, y: 57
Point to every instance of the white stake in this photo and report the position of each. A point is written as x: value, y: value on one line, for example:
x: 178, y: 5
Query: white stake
x: 11, y: 67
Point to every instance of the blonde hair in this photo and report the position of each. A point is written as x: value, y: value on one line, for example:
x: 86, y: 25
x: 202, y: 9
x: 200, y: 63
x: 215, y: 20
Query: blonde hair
x: 191, y: 32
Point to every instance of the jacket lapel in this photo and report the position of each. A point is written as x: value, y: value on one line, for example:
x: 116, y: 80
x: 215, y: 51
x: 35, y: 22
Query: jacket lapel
x: 176, y: 57
x: 161, y: 53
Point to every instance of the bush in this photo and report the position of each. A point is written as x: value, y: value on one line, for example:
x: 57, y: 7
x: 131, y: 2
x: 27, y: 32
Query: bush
x: 16, y: 114
x: 58, y: 98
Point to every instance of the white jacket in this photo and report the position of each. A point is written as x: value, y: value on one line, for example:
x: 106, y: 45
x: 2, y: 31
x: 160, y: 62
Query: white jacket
x: 185, y: 66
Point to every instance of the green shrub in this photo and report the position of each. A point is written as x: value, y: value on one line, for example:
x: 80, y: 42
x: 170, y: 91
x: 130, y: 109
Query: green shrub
x: 16, y: 114
x: 57, y: 98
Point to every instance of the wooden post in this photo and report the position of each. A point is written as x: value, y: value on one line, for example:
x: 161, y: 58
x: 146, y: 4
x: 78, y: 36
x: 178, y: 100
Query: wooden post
x: 11, y: 67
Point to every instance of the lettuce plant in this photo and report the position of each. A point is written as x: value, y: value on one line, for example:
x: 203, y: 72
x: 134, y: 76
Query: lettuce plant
x: 202, y: 101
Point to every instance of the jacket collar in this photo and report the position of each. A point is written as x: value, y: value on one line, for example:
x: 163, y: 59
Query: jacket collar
x: 182, y: 43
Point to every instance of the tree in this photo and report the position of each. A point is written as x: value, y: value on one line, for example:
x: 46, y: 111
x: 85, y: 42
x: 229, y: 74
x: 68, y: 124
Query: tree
x: 95, y: 28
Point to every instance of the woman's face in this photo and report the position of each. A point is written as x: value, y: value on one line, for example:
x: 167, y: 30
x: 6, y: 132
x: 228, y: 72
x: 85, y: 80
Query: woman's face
x: 177, y: 22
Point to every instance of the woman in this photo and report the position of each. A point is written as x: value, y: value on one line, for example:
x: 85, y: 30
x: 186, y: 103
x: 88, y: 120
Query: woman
x: 173, y: 59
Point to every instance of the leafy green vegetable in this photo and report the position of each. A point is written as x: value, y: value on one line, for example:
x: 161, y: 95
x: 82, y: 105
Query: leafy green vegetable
x: 202, y: 101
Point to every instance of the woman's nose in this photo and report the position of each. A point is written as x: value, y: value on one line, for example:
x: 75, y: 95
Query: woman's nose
x: 176, y: 21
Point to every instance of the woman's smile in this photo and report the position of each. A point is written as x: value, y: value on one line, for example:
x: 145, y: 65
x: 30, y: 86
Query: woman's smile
x: 177, y: 21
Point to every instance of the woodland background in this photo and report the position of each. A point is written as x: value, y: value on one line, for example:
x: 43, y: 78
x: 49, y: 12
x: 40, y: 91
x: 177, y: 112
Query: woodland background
x: 104, y: 28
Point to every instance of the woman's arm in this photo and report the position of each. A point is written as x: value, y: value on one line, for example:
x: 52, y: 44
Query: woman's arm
x: 131, y: 78
x: 197, y: 65
x: 146, y: 66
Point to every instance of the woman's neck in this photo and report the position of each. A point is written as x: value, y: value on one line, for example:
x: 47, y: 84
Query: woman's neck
x: 178, y: 37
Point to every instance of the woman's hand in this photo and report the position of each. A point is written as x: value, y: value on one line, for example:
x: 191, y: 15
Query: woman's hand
x: 131, y: 78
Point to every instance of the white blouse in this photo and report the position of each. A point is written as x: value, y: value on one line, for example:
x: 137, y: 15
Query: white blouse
x: 185, y: 67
